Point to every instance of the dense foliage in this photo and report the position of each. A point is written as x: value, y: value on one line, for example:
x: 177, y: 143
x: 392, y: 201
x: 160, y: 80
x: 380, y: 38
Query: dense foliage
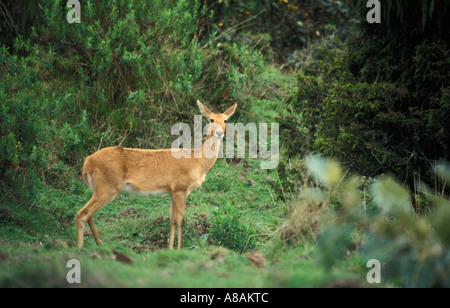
x: 289, y: 25
x: 414, y: 248
x: 383, y: 105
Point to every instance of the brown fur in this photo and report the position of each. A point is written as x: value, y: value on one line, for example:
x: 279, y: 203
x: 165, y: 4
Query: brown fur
x: 115, y: 169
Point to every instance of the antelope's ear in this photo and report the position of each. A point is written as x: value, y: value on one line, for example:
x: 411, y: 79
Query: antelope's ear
x: 203, y: 109
x: 230, y: 111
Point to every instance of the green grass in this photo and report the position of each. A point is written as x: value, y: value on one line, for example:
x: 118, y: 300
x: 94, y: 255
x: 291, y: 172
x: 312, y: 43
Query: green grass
x: 45, y: 266
x: 35, y: 247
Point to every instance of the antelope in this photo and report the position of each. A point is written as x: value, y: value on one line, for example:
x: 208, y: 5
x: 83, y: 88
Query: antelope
x: 113, y: 170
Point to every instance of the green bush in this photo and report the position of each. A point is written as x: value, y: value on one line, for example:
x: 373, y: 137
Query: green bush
x: 412, y: 248
x: 137, y: 55
x: 409, y: 49
x: 25, y: 128
x: 380, y: 104
x: 229, y: 231
x: 37, y: 130
x: 372, y: 127
x: 348, y: 120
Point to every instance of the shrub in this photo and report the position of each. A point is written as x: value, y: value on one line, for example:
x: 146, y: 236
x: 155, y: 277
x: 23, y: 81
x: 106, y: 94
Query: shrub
x: 380, y: 106
x: 24, y: 127
x: 409, y: 49
x: 38, y: 131
x: 348, y: 120
x: 372, y: 127
x: 310, y: 207
x: 413, y: 248
x: 137, y: 55
x: 229, y: 231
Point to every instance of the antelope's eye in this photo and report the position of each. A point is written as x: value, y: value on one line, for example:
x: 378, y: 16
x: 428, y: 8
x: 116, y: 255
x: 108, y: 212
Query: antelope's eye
x: 212, y: 121
x: 224, y: 121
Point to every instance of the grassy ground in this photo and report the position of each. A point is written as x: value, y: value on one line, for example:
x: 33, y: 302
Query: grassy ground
x: 35, y: 247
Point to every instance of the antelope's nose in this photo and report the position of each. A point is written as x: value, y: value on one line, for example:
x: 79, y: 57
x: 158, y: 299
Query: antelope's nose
x: 219, y: 133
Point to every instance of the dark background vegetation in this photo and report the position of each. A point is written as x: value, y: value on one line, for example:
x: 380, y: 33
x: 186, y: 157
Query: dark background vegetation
x: 374, y: 97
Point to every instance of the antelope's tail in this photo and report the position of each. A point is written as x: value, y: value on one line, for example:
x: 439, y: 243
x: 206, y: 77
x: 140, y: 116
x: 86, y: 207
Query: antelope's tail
x: 86, y: 176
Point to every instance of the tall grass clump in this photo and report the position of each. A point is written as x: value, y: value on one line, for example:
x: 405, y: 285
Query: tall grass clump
x: 305, y: 209
x: 228, y: 230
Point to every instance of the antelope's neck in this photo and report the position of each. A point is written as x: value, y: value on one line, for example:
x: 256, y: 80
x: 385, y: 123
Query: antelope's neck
x: 210, y: 151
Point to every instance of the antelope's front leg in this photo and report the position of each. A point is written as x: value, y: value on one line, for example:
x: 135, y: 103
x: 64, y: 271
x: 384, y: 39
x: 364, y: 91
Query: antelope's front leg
x: 177, y: 218
x: 172, y: 225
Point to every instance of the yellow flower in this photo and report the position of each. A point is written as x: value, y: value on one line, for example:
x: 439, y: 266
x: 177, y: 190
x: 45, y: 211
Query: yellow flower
x: 220, y: 24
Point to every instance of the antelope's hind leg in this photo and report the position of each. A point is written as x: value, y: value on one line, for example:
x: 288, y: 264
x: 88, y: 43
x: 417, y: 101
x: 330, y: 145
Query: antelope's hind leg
x: 94, y: 231
x: 86, y: 215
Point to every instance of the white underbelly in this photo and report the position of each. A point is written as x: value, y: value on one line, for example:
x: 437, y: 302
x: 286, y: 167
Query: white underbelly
x: 129, y: 189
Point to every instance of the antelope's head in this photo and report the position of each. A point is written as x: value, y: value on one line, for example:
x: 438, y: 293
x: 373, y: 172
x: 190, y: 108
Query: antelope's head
x: 217, y: 121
